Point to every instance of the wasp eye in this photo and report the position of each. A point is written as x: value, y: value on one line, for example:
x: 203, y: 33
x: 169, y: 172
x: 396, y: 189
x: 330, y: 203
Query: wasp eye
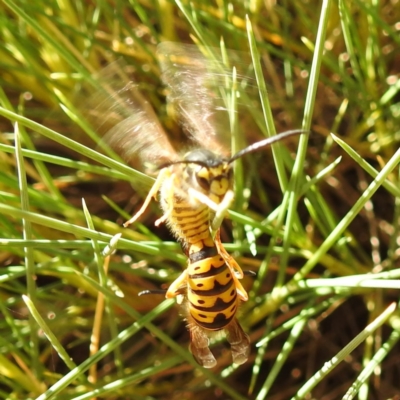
x: 203, y: 182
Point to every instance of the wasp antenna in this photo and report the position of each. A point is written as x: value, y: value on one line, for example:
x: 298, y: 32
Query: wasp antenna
x: 165, y: 165
x: 155, y: 291
x: 266, y: 142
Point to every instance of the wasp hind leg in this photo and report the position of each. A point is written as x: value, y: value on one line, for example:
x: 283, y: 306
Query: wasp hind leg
x: 239, y: 341
x: 199, y: 343
x: 175, y: 289
x: 237, y: 272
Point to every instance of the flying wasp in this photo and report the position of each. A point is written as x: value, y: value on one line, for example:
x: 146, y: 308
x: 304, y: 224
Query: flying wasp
x: 196, y: 189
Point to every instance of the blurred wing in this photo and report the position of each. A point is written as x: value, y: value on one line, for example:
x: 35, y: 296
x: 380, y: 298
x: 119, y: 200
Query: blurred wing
x: 239, y: 341
x: 126, y: 120
x: 200, y: 87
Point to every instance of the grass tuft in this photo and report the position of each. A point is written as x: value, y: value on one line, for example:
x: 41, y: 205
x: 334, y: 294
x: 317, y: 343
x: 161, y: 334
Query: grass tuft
x: 317, y: 218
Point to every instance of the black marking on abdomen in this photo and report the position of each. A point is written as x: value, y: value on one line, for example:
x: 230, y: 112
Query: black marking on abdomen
x: 193, y: 216
x: 215, y: 291
x: 205, y: 252
x: 219, y: 305
x: 178, y: 209
x: 220, y: 322
x: 195, y: 229
x: 213, y: 271
x: 190, y: 227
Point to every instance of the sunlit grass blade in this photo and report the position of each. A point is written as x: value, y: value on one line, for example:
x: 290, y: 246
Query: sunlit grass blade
x: 317, y: 221
x: 73, y: 145
x: 392, y: 188
x: 29, y: 260
x: 49, y: 334
x: 344, y: 223
x: 303, y: 391
x: 369, y: 369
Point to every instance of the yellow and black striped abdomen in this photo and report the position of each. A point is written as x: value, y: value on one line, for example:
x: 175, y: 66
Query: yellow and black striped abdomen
x: 190, y: 225
x: 211, y: 290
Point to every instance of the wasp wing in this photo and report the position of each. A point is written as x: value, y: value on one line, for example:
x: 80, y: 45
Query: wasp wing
x: 199, y: 343
x: 239, y: 341
x: 126, y: 120
x: 200, y: 85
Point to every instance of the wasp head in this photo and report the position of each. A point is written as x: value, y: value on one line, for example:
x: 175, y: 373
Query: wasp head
x: 208, y: 173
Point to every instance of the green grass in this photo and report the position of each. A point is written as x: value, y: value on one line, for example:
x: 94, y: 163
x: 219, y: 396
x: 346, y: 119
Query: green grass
x: 317, y: 218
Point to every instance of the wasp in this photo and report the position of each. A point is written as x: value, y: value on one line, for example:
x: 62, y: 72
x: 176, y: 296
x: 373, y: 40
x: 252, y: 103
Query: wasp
x: 195, y: 190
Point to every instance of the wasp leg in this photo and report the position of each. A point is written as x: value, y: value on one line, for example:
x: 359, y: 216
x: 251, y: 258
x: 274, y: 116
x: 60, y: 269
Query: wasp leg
x: 233, y: 266
x: 175, y: 288
x: 152, y: 193
x: 222, y: 209
x: 203, y: 199
x: 167, y: 198
x: 232, y: 263
x: 199, y: 343
x: 239, y: 341
x: 162, y: 219
x: 219, y: 209
x: 241, y: 291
